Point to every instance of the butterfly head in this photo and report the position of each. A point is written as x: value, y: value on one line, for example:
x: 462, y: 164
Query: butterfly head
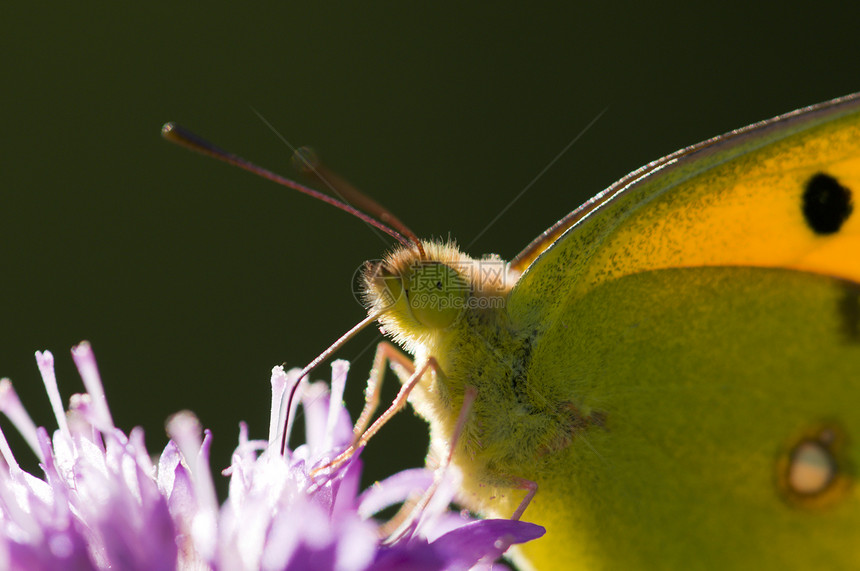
x: 420, y: 297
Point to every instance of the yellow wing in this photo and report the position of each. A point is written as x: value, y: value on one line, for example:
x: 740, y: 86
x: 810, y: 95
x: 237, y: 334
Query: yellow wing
x: 774, y: 194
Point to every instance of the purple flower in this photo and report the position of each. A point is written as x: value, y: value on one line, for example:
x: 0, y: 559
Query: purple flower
x: 101, y: 502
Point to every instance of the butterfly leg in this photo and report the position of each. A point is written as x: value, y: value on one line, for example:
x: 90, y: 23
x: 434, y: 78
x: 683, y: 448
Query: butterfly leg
x: 531, y: 490
x: 395, y: 407
x: 404, y: 518
x: 399, y: 401
x: 385, y: 351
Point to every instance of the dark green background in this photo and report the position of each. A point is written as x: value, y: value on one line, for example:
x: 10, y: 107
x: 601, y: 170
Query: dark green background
x: 192, y: 279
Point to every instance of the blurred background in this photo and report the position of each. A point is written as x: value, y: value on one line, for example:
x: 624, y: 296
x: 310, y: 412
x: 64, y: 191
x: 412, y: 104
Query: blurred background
x: 192, y: 279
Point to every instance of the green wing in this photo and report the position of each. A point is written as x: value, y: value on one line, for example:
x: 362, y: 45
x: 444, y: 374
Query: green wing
x: 709, y: 380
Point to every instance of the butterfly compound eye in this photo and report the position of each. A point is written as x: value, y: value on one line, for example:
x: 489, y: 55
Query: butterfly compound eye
x: 437, y: 294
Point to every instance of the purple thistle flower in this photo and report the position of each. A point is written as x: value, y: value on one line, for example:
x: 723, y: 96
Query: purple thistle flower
x: 101, y: 502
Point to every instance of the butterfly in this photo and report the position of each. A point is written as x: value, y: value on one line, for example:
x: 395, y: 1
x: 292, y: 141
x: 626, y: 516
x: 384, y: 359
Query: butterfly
x: 666, y: 377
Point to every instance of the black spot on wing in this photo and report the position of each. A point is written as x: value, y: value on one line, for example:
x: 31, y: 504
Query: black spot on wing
x: 826, y: 204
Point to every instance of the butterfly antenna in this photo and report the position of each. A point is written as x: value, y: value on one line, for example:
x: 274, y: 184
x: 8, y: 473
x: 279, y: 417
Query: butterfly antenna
x: 309, y: 163
x: 185, y: 138
x: 322, y: 357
